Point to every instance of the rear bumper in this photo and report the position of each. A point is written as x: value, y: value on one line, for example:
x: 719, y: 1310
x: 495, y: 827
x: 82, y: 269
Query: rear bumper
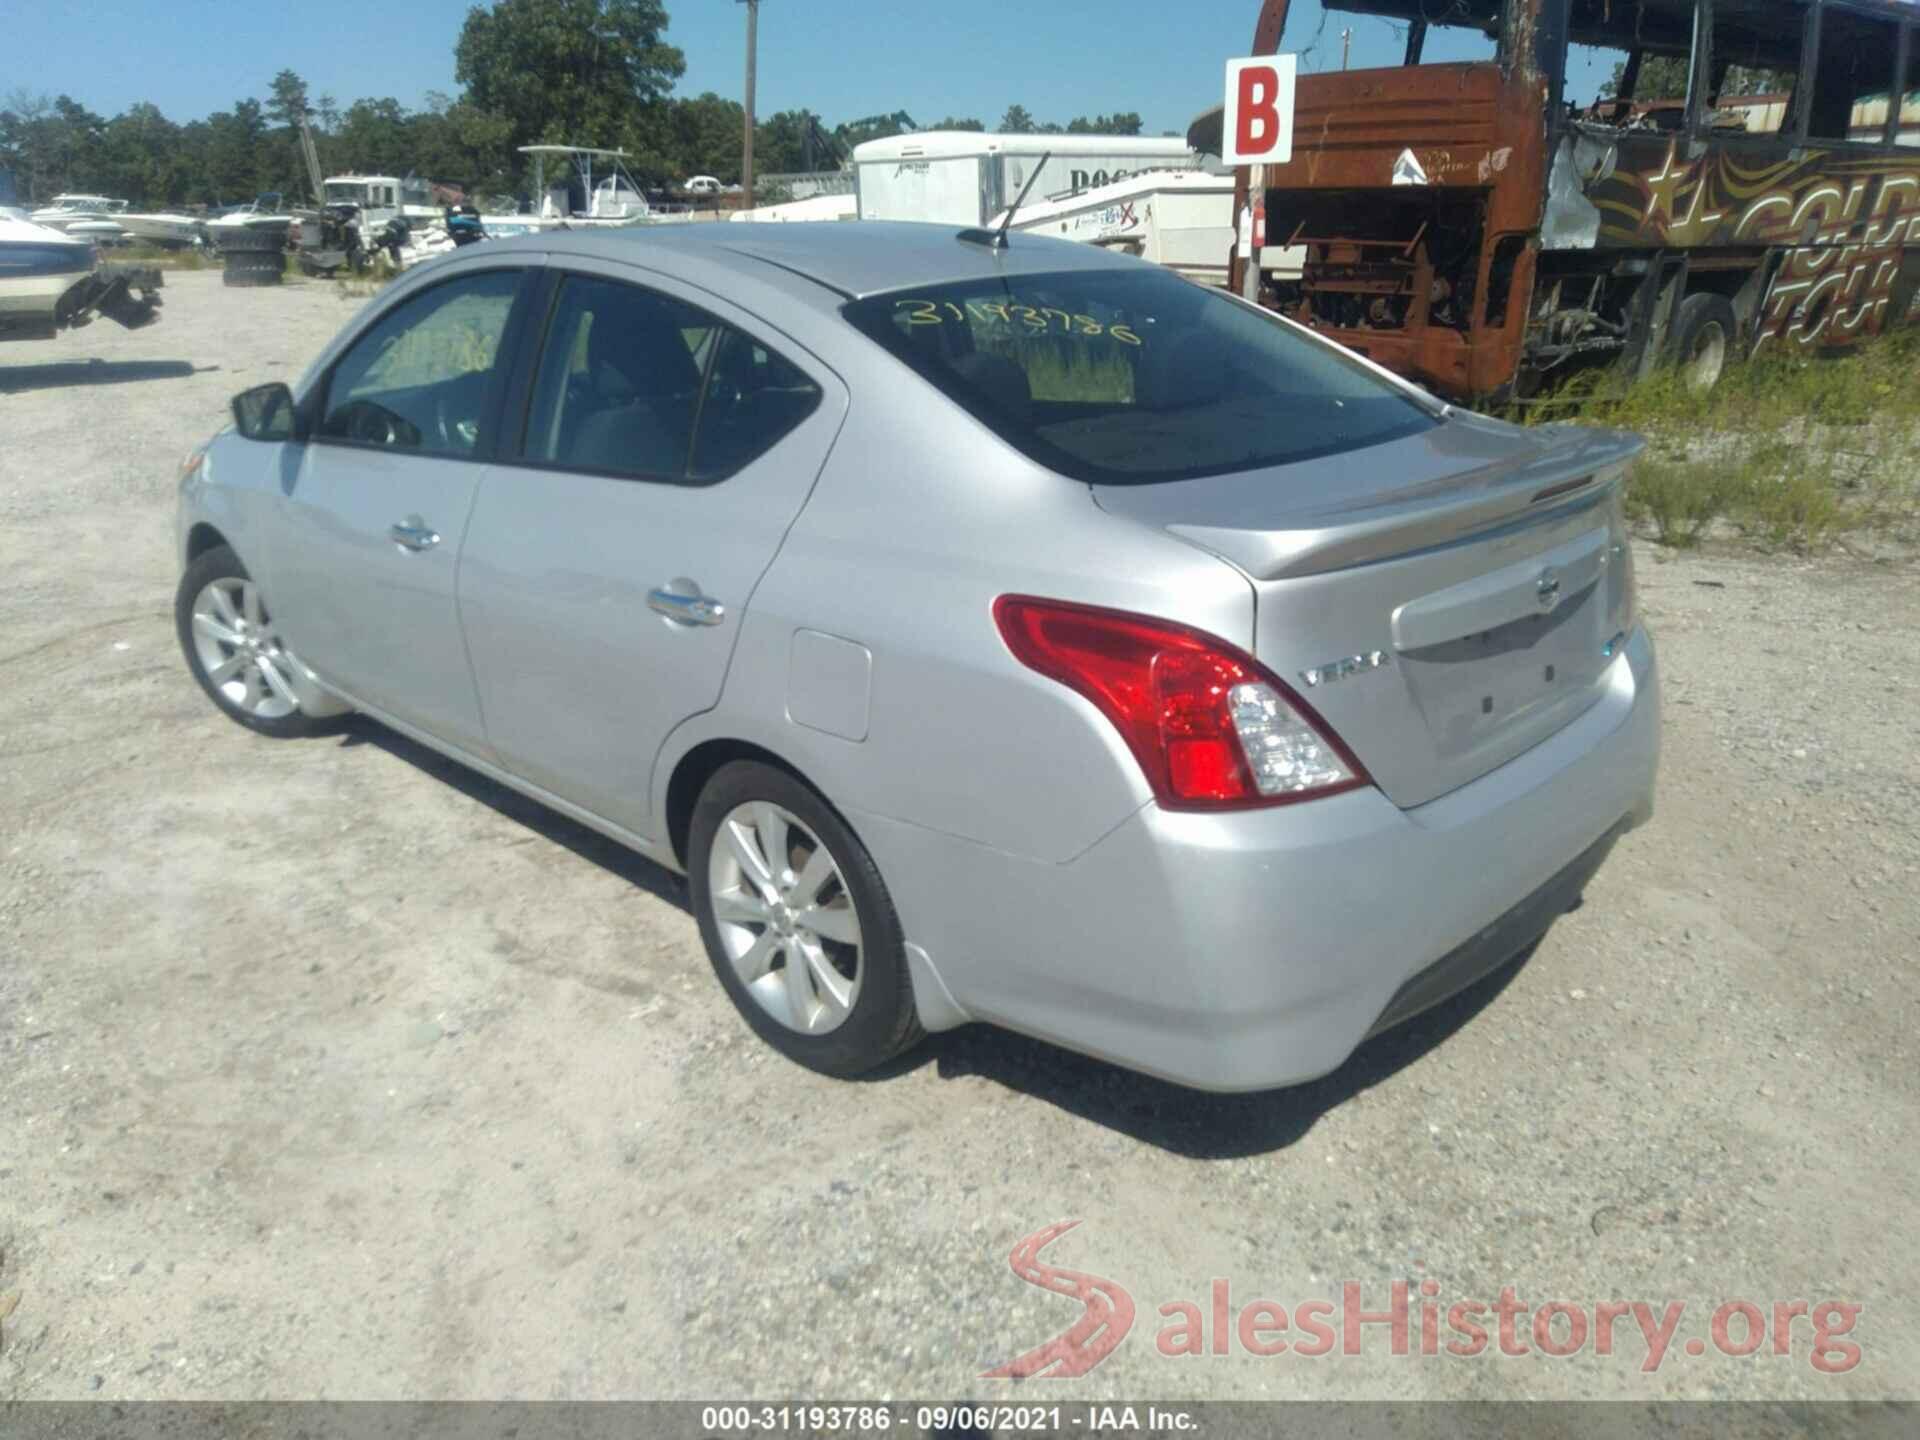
x: 1494, y: 946
x: 1245, y: 951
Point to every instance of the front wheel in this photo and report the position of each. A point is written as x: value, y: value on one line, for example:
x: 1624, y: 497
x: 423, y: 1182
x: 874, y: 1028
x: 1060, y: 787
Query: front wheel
x: 234, y: 649
x: 797, y: 922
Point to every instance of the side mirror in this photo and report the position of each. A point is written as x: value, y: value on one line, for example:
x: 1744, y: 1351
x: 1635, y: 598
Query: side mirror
x: 266, y: 412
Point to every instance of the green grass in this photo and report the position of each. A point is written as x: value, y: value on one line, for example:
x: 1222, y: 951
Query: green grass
x: 1785, y: 453
x: 165, y: 259
x: 1066, y: 370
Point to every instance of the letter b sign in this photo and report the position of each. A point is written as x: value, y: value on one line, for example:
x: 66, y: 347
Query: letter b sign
x: 1258, y: 128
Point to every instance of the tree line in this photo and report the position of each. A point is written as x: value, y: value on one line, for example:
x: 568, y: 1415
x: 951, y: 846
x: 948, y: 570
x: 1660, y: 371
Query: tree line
x: 578, y: 72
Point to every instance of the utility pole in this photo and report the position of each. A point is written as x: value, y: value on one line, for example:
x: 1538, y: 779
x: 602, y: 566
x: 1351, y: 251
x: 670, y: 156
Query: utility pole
x: 312, y: 157
x: 746, y: 149
x: 1346, y: 44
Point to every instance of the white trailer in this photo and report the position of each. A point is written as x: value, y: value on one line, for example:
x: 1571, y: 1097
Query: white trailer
x: 961, y: 177
x: 1182, y: 219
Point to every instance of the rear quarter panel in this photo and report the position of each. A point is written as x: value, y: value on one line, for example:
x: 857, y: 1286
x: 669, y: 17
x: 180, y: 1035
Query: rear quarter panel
x: 920, y: 520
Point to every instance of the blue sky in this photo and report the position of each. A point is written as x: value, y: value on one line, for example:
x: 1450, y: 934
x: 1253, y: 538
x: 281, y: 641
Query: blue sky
x: 840, y: 58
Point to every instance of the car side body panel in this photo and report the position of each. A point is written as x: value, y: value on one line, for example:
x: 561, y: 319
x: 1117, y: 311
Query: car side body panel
x: 580, y: 681
x: 960, y: 735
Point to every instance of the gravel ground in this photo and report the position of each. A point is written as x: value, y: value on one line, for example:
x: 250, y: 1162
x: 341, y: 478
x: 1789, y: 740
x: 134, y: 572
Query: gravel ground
x: 333, y: 1071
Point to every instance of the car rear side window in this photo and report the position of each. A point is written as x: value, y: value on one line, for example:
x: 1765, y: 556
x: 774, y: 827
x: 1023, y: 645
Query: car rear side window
x: 753, y: 398
x: 638, y: 384
x: 1134, y: 376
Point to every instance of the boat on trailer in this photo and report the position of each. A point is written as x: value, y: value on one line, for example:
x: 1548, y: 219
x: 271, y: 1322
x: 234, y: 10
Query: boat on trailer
x: 51, y: 280
x: 108, y: 221
x: 577, y: 199
x: 165, y: 228
x: 63, y: 212
x: 264, y: 212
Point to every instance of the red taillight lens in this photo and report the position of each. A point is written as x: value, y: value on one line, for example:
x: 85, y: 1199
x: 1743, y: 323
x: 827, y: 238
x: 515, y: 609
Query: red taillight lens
x: 1211, y: 728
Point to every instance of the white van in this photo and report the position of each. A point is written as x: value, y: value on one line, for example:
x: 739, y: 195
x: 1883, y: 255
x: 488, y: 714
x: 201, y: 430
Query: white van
x: 963, y: 177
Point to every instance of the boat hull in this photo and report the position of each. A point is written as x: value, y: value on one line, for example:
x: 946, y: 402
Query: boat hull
x: 34, y: 275
x: 168, y: 230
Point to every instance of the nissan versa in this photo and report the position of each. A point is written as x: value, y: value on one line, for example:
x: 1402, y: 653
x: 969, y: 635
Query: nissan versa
x: 990, y: 628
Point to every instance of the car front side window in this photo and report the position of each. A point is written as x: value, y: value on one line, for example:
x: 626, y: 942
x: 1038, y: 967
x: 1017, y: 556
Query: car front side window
x: 417, y: 380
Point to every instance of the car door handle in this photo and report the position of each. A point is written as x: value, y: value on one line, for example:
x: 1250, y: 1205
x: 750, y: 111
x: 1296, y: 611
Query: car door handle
x: 413, y: 533
x: 686, y: 609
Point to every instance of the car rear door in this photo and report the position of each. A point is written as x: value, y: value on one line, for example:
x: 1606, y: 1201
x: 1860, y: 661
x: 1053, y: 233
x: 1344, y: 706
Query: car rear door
x: 365, y: 558
x: 669, y: 441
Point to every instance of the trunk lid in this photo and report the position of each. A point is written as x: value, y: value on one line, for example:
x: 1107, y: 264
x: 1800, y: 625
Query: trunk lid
x: 1444, y: 601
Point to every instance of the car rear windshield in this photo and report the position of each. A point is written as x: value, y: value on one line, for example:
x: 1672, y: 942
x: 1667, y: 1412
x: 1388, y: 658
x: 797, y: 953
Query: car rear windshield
x: 1135, y: 376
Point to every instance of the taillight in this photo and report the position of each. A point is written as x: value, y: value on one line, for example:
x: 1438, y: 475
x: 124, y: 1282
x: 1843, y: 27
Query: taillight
x: 1211, y: 728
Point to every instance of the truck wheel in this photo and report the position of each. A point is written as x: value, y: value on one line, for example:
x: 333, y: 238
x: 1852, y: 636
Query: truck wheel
x: 1704, y: 337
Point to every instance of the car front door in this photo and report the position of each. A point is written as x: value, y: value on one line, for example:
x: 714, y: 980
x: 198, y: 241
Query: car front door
x: 400, y: 429
x: 667, y: 447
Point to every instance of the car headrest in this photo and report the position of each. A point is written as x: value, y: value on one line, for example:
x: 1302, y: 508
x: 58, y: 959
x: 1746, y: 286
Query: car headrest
x: 998, y: 380
x: 639, y: 351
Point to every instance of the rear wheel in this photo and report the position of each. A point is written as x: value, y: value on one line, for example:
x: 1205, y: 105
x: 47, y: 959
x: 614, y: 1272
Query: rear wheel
x: 234, y: 649
x: 797, y: 922
x: 1704, y: 336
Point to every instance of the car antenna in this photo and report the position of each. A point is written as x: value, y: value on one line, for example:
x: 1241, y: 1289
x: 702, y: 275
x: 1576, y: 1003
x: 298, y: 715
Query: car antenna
x: 997, y: 239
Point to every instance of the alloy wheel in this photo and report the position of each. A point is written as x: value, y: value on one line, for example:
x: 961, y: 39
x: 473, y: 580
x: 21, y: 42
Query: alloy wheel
x: 238, y: 647
x: 785, y: 917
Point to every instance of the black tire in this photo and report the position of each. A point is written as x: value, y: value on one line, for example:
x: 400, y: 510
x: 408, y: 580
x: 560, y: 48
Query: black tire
x: 220, y: 563
x: 1706, y: 337
x: 882, y: 1021
x: 249, y: 240
x: 255, y: 268
x: 253, y: 277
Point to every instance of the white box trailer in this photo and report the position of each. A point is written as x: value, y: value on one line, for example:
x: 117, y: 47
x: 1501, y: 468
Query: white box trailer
x: 1182, y: 219
x: 961, y: 177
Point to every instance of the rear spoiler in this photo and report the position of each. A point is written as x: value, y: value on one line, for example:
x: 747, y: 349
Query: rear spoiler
x: 1571, y: 475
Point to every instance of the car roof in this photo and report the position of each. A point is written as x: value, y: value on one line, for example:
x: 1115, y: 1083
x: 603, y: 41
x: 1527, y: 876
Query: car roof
x: 849, y: 259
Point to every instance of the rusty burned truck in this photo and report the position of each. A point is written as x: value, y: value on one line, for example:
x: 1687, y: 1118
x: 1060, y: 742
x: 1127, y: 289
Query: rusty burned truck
x: 1741, y: 174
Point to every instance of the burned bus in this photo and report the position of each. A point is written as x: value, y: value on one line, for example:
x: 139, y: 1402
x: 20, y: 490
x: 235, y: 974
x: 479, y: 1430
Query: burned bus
x: 1609, y: 181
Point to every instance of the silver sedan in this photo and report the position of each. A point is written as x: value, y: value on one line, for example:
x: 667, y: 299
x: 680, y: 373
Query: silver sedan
x: 990, y: 630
